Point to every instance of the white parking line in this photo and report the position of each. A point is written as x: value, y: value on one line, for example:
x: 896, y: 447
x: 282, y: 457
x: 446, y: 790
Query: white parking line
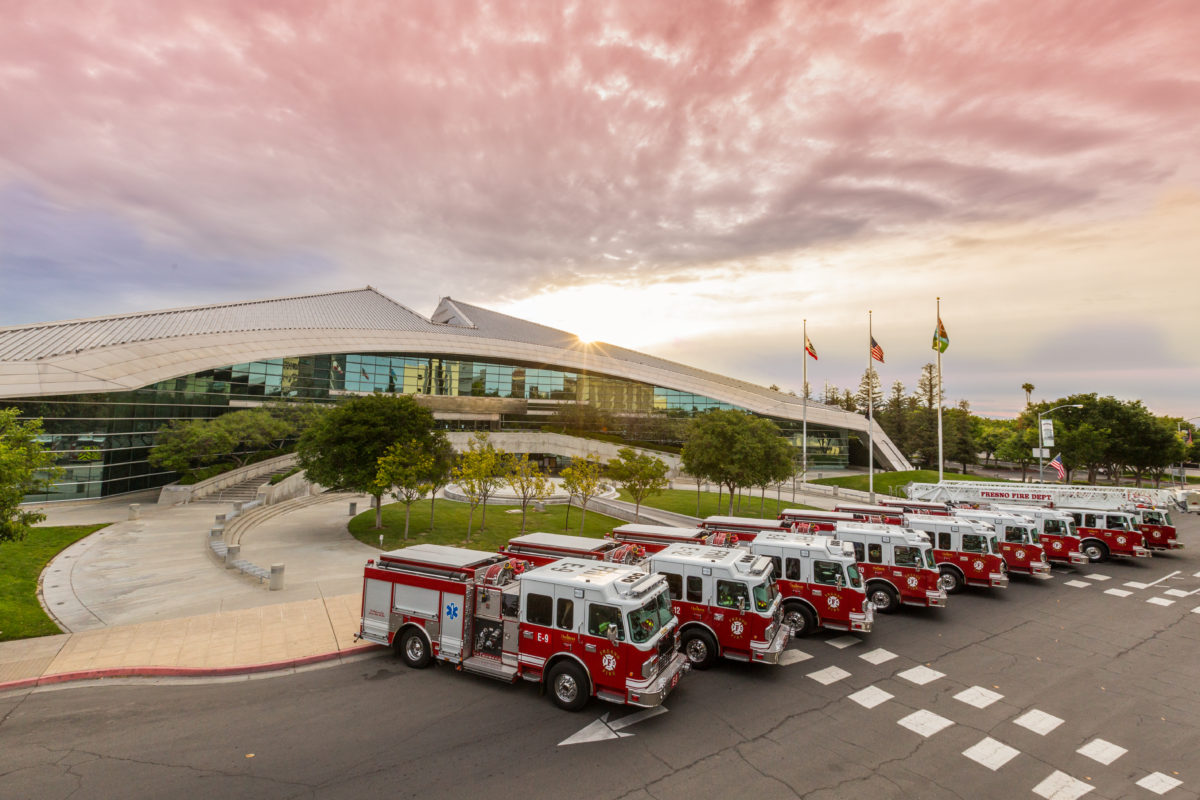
x: 829, y: 675
x: 1078, y: 584
x: 1117, y: 592
x: 793, y: 657
x: 1102, y: 751
x: 1161, y: 601
x: 1159, y: 783
x: 1037, y: 721
x: 878, y: 656
x: 978, y: 696
x: 920, y: 675
x: 1096, y: 576
x: 842, y: 642
x: 924, y: 722
x: 1061, y: 786
x: 870, y: 696
x: 991, y: 753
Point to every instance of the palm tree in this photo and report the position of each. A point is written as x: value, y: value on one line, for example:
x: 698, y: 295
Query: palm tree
x: 1028, y: 387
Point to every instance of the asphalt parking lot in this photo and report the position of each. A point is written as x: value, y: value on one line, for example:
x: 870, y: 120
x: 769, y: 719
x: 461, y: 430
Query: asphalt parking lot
x: 1085, y: 684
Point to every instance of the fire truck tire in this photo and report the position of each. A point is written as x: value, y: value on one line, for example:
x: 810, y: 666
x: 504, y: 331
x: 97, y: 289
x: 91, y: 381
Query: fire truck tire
x: 951, y: 580
x: 413, y: 649
x: 883, y: 597
x: 568, y: 684
x: 800, y: 618
x: 699, y: 647
x: 1095, y: 551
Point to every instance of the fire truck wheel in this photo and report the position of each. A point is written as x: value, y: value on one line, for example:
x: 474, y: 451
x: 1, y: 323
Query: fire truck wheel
x: 1095, y: 551
x: 950, y: 581
x: 700, y: 649
x: 568, y: 686
x: 800, y: 618
x: 884, y: 598
x: 414, y: 650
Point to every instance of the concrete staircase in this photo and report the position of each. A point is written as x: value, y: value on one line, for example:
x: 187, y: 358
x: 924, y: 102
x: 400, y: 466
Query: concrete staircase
x: 245, y: 491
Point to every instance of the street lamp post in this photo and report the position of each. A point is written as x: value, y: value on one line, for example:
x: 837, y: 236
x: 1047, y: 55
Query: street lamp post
x: 1042, y: 439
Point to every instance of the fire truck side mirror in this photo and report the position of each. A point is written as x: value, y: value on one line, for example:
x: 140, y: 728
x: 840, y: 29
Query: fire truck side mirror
x: 611, y: 632
x: 741, y: 603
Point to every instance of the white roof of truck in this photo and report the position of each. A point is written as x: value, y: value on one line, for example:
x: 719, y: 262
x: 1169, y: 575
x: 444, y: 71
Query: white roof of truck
x: 788, y: 540
x: 441, y: 555
x: 562, y: 540
x: 735, y: 558
x: 611, y: 580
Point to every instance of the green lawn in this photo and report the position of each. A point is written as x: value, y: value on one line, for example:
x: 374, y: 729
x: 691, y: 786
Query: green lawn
x: 21, y: 617
x: 894, y: 482
x: 450, y: 525
x: 683, y: 501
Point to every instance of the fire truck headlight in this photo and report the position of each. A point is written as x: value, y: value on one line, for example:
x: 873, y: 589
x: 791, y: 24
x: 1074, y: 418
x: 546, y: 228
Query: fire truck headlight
x: 648, y: 666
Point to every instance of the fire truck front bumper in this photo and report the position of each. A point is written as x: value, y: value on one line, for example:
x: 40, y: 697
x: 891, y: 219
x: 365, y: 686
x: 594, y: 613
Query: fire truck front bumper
x: 768, y: 653
x: 1141, y: 552
x: 1040, y: 570
x: 1172, y: 544
x: 935, y: 599
x: 863, y: 622
x: 653, y: 692
x: 998, y: 580
x: 1079, y: 558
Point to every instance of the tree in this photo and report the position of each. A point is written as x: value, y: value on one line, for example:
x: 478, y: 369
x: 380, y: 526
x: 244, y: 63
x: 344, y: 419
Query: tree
x: 527, y: 481
x: 1028, y: 389
x: 404, y: 471
x: 927, y: 388
x: 640, y: 474
x: 959, y: 435
x: 25, y: 468
x: 441, y: 469
x: 184, y: 445
x: 582, y: 480
x: 766, y: 457
x: 870, y: 392
x: 249, y: 432
x: 713, y: 439
x: 1018, y: 447
x: 343, y: 446
x: 480, y: 472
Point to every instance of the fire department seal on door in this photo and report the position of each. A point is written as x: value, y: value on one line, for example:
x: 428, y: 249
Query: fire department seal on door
x: 737, y: 627
x: 608, y: 662
x: 833, y: 601
x: 1120, y: 540
x: 1057, y: 545
x: 978, y: 565
x: 912, y: 581
x: 1020, y: 554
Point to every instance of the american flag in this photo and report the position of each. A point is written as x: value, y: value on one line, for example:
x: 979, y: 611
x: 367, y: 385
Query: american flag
x: 1056, y: 464
x: 876, y: 350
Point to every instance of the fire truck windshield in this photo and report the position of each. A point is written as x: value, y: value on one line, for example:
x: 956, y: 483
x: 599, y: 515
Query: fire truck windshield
x: 928, y: 551
x: 855, y: 577
x: 764, y: 595
x: 650, y: 618
x: 1154, y: 518
x: 995, y: 545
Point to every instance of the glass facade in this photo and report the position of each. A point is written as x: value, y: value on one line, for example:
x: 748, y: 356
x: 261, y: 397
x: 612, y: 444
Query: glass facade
x: 120, y: 427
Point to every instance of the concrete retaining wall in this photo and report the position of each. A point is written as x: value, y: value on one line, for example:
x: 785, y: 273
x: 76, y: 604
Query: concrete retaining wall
x: 558, y: 444
x: 289, y: 488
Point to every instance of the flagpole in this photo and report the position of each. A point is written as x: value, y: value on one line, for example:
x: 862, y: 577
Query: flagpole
x: 937, y: 330
x: 870, y: 412
x: 804, y: 393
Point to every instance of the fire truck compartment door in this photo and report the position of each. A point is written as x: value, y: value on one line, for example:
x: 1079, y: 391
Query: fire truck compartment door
x: 452, y: 625
x: 375, y: 608
x: 416, y: 601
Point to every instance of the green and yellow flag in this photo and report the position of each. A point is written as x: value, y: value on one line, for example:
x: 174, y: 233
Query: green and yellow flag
x: 941, y: 340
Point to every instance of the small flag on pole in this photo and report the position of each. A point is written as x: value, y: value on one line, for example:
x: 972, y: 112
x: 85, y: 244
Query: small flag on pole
x: 1057, y: 466
x: 808, y: 348
x: 940, y: 338
x: 876, y: 351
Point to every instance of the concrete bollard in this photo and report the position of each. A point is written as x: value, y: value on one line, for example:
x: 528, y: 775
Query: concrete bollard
x: 220, y: 518
x: 135, y: 510
x: 353, y: 509
x: 276, y: 577
x: 215, y: 532
x: 232, y: 554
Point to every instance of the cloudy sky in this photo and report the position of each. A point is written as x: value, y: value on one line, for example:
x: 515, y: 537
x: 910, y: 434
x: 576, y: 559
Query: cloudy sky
x: 688, y: 179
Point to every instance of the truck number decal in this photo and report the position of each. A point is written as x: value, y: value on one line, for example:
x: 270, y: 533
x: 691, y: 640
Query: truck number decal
x: 543, y: 637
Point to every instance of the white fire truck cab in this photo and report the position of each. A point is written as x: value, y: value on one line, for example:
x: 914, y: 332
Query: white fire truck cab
x: 966, y: 552
x: 1108, y: 533
x: 1050, y: 528
x: 579, y: 628
x: 726, y: 603
x: 818, y: 581
x: 896, y: 563
x: 1016, y: 536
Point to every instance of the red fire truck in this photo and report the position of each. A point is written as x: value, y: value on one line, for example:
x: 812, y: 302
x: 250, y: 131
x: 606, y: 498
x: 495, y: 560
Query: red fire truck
x: 1055, y: 530
x: 897, y: 564
x: 818, y: 580
x: 864, y: 512
x: 1107, y: 533
x: 739, y: 529
x: 540, y: 549
x: 1018, y: 538
x: 916, y: 506
x: 1155, y: 524
x: 966, y: 554
x: 804, y: 520
x: 726, y: 602
x: 579, y: 628
x: 657, y: 537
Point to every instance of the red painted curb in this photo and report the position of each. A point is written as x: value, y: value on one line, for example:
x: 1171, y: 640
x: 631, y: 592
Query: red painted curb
x: 182, y: 672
